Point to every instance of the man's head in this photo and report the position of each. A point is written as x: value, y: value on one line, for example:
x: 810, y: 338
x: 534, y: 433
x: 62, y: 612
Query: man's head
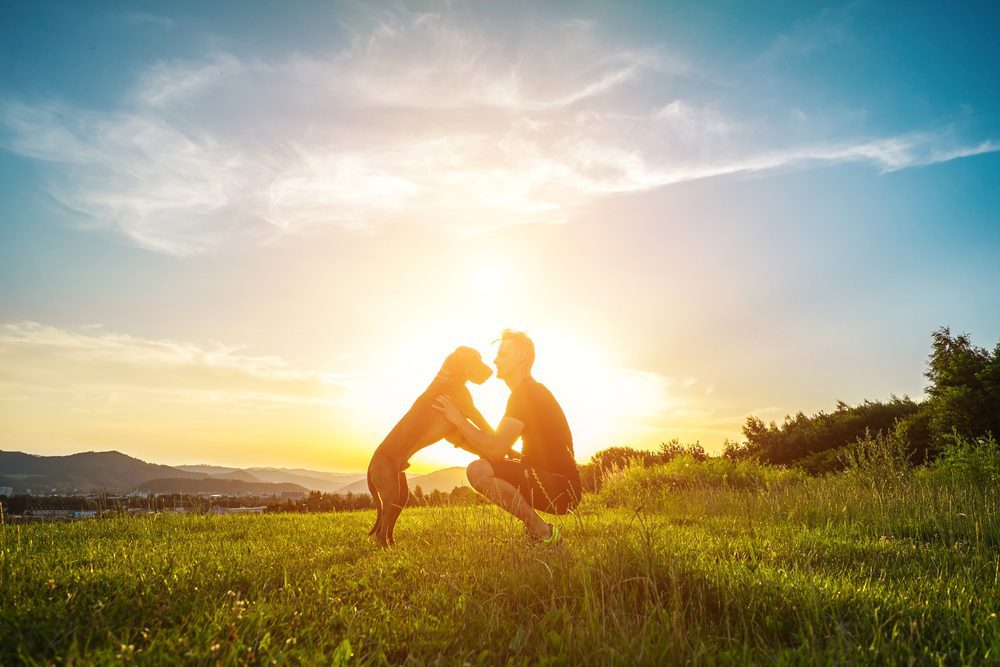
x: 515, y: 355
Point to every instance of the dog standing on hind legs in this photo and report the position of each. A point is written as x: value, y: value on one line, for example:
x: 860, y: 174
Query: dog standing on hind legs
x: 421, y: 426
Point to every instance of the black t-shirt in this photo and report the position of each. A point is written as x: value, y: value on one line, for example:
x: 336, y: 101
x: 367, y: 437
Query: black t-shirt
x: 546, y: 440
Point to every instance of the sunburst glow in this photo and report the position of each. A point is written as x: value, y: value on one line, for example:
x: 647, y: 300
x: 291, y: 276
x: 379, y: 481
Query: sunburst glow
x: 602, y: 401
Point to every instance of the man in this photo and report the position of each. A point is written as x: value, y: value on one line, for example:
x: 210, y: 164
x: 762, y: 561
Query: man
x: 546, y: 477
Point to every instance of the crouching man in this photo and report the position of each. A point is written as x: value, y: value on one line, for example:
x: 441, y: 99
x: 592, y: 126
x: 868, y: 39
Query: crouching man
x: 546, y: 477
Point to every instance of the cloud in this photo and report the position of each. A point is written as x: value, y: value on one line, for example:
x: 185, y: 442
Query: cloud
x: 91, y: 361
x: 417, y: 120
x: 830, y: 28
x: 888, y: 155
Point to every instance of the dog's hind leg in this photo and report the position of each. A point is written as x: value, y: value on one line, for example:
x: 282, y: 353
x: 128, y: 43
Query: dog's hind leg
x: 377, y: 501
x: 393, y: 512
x: 386, y: 483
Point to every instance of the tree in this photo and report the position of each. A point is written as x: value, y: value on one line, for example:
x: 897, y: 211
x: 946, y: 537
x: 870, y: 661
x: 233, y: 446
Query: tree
x: 17, y: 504
x: 734, y: 450
x: 803, y: 437
x: 672, y: 449
x: 964, y: 389
x: 617, y: 458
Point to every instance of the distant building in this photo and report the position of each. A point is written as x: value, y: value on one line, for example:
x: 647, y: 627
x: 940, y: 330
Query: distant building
x: 58, y: 515
x: 238, y: 510
x: 6, y: 491
x: 50, y: 514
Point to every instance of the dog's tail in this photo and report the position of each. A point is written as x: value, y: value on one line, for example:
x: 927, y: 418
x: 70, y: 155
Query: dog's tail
x: 378, y: 504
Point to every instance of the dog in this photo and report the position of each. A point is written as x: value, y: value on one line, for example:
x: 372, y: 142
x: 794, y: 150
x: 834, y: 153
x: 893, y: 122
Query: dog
x: 421, y: 426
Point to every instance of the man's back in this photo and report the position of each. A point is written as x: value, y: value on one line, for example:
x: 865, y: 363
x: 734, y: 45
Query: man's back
x: 546, y: 439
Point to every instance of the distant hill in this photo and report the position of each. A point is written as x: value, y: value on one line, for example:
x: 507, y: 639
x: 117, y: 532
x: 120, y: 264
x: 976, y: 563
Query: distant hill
x: 216, y: 471
x: 220, y: 472
x: 114, y: 472
x: 338, y: 477
x: 445, y: 479
x: 439, y: 480
x: 226, y: 487
x: 328, y: 482
x: 241, y: 475
x: 86, y: 472
x: 314, y: 480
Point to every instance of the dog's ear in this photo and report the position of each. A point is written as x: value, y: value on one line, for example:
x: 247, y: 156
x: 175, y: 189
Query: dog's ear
x: 467, y: 360
x: 455, y: 364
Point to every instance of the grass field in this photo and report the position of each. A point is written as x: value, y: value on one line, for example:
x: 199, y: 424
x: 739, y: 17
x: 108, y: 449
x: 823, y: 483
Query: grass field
x: 712, y: 563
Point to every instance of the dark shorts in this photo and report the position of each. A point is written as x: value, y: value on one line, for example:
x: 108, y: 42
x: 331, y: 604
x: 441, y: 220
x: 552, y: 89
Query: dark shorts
x: 546, y: 491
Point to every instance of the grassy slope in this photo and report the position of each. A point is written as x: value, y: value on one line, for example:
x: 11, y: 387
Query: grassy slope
x: 808, y: 571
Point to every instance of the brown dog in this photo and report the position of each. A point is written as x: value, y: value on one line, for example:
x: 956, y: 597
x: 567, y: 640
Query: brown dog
x: 421, y: 426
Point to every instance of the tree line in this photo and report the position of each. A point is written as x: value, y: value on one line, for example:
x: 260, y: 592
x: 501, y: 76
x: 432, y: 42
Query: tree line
x: 318, y: 501
x: 962, y: 404
x: 963, y: 401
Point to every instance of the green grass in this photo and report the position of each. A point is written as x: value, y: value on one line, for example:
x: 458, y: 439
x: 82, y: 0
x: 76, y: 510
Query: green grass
x: 713, y: 569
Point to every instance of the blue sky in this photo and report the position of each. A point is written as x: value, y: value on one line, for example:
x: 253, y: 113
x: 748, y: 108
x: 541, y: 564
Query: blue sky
x: 248, y: 232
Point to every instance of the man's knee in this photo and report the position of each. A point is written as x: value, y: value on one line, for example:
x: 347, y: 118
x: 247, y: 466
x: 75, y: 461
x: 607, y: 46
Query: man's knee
x: 479, y: 472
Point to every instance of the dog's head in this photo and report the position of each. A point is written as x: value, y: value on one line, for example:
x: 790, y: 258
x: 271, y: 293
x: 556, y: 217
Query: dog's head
x: 467, y: 364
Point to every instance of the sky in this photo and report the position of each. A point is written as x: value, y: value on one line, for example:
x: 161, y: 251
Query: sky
x: 248, y: 233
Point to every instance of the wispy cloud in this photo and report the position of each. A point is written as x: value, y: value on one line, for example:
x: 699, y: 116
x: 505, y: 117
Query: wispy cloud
x: 37, y: 358
x: 417, y: 120
x: 830, y: 28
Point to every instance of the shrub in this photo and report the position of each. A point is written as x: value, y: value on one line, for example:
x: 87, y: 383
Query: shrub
x: 611, y: 461
x: 967, y: 461
x: 879, y: 458
x: 641, y: 485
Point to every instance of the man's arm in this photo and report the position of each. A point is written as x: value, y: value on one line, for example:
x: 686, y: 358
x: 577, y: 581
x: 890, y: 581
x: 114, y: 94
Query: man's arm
x: 477, y: 418
x: 486, y: 443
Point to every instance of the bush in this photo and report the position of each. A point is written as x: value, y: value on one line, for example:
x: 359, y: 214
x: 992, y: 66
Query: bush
x: 641, y: 485
x: 820, y: 463
x: 878, y: 459
x: 611, y: 461
x: 967, y: 461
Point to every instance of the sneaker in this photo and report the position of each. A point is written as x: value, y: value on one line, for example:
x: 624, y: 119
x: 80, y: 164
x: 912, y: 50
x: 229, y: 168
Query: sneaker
x: 553, y: 539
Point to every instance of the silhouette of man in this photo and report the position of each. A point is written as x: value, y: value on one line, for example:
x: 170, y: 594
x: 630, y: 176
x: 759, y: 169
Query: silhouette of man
x: 546, y: 477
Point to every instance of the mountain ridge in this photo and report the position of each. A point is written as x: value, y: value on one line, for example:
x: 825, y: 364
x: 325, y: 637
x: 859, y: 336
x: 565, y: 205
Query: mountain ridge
x: 445, y: 479
x: 116, y: 472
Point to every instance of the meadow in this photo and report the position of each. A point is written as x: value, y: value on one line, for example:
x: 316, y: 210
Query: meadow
x: 713, y: 562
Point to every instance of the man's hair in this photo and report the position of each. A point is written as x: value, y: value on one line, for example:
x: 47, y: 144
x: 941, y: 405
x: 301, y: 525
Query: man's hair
x: 520, y: 340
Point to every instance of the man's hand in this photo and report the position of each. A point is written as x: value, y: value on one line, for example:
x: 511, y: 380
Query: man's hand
x: 444, y: 405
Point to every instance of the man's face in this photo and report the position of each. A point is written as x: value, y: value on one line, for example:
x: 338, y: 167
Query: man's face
x: 506, y: 360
